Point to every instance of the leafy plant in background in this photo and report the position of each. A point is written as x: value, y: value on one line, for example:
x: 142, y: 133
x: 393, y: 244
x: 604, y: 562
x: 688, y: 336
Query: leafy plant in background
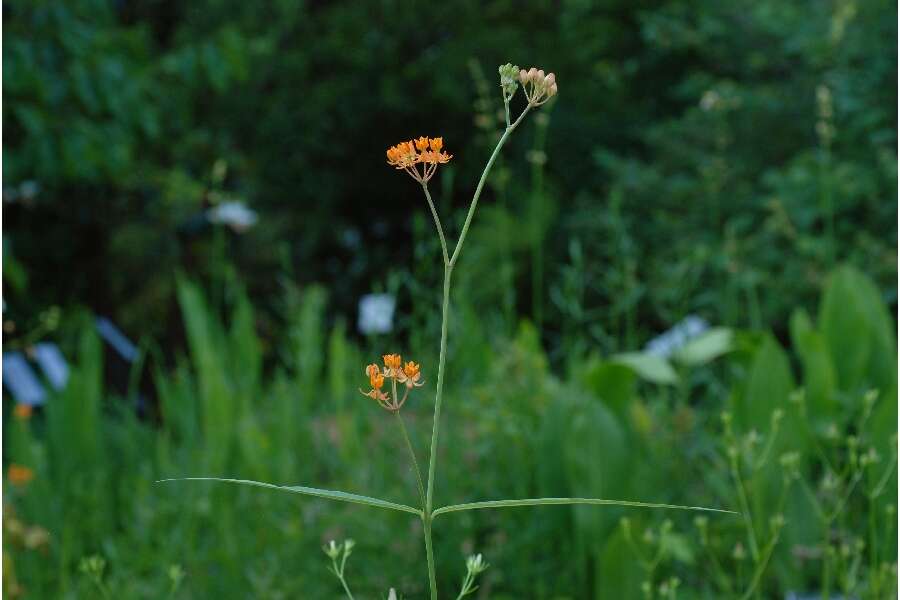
x: 525, y: 430
x: 420, y: 158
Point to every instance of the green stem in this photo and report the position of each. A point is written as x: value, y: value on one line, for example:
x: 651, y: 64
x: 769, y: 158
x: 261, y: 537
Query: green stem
x: 437, y: 223
x: 745, y: 509
x: 340, y: 575
x: 763, y: 562
x: 346, y: 588
x: 484, y: 174
x: 761, y: 568
x: 429, y: 554
x: 432, y: 460
x: 445, y: 315
x: 466, y: 585
x: 412, y: 454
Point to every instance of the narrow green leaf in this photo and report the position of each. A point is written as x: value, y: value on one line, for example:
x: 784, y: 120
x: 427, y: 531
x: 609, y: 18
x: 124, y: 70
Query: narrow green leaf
x: 552, y: 501
x: 309, y: 491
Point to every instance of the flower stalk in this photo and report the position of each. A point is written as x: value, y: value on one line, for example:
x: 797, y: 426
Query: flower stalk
x: 449, y: 263
x: 420, y: 159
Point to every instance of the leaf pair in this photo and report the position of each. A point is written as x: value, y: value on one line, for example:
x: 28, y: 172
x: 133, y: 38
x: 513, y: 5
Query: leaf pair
x: 379, y: 503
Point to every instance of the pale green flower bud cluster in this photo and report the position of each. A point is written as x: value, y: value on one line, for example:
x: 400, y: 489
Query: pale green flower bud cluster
x: 332, y: 549
x: 475, y: 565
x: 509, y: 79
x: 339, y: 553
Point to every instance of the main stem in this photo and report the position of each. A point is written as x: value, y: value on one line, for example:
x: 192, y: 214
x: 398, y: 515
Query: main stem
x: 427, y: 516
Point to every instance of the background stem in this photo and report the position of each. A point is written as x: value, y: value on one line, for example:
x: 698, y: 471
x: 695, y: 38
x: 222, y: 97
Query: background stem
x: 412, y: 454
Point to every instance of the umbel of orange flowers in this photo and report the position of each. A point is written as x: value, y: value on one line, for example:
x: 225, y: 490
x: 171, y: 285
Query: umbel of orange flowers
x: 397, y: 373
x: 424, y: 151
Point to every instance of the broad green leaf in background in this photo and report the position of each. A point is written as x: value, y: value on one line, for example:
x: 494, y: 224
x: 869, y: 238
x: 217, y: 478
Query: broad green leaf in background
x: 619, y: 573
x: 614, y: 383
x: 768, y: 386
x: 819, y: 379
x: 652, y: 368
x: 860, y: 337
x: 705, y: 347
x: 859, y: 331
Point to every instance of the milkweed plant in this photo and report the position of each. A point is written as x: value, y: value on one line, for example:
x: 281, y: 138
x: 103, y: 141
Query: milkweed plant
x: 391, y: 383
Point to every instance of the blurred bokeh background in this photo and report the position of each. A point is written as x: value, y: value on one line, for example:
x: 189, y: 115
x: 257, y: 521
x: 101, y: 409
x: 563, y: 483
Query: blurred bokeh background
x: 195, y: 202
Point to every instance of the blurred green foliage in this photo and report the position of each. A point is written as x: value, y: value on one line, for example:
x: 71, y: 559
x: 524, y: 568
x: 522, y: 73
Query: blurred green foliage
x: 695, y: 147
x: 608, y: 430
x: 735, y: 160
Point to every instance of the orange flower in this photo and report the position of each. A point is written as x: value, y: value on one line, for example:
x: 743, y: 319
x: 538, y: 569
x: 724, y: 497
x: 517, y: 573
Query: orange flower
x: 394, y: 369
x: 410, y: 375
x: 402, y: 156
x: 19, y: 475
x: 22, y: 411
x: 391, y: 364
x: 377, y: 381
x: 423, y: 151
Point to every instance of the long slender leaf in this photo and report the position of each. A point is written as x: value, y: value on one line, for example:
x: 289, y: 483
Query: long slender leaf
x: 309, y: 491
x: 554, y: 501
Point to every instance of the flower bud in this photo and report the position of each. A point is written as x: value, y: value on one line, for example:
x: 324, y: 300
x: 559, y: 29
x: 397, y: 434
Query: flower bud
x: 475, y: 564
x: 509, y: 75
x: 523, y: 76
x: 550, y: 79
x: 332, y: 549
x: 532, y: 74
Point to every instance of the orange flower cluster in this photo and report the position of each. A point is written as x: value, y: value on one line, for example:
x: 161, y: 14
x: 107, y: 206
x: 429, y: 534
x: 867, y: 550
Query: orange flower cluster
x: 22, y: 411
x: 424, y: 151
x: 19, y: 475
x: 398, y: 373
